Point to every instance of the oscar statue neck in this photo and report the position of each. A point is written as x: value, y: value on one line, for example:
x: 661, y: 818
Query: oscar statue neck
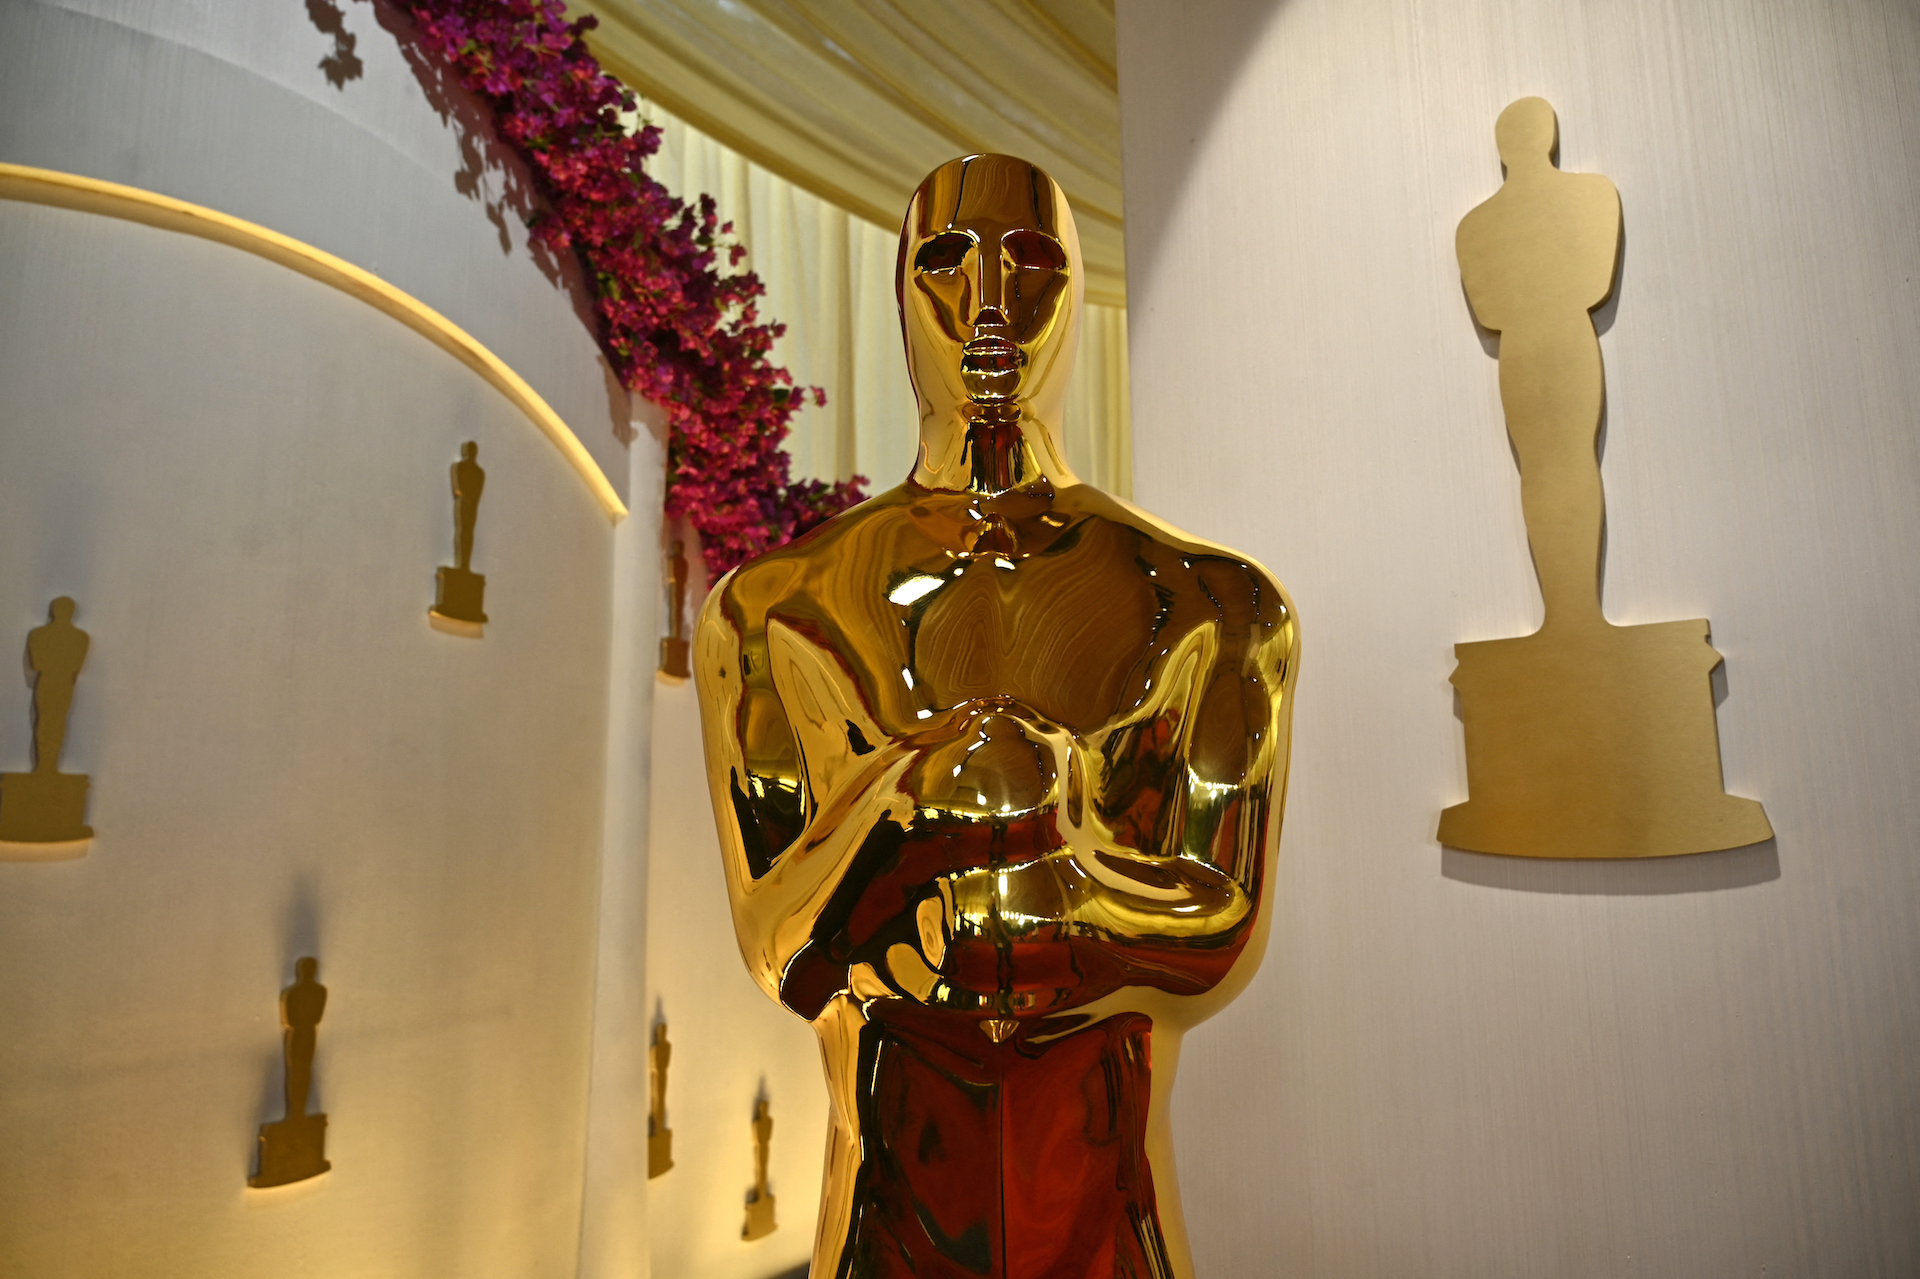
x: 988, y: 449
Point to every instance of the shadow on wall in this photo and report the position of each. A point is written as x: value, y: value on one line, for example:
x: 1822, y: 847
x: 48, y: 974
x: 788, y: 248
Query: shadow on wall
x: 1208, y: 68
x: 1624, y: 877
x: 343, y: 64
x: 490, y: 173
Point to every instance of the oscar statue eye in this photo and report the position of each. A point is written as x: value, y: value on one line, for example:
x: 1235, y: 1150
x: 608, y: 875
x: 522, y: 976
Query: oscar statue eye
x: 1034, y: 250
x: 944, y: 252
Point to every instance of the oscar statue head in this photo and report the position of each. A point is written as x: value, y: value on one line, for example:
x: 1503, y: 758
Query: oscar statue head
x: 990, y: 289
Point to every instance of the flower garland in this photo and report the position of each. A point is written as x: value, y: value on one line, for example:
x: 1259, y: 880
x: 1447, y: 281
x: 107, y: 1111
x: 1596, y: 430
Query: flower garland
x: 677, y: 331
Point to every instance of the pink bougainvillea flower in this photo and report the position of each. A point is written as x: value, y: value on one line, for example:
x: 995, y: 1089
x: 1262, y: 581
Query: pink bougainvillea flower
x: 677, y: 330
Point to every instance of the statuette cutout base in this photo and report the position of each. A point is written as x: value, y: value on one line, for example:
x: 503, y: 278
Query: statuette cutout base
x: 1598, y: 743
x: 291, y: 1150
x: 42, y: 812
x: 459, y: 608
x: 760, y: 1222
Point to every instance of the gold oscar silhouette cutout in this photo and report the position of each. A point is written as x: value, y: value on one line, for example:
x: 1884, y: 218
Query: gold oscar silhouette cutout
x: 294, y: 1148
x: 43, y: 813
x: 673, y: 649
x: 1584, y: 739
x: 997, y: 763
x: 459, y: 609
x: 760, y: 1222
x: 659, y: 1136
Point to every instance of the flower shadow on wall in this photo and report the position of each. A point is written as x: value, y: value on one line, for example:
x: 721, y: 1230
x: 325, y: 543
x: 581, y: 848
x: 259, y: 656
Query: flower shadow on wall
x: 676, y: 328
x: 343, y: 64
x: 491, y: 173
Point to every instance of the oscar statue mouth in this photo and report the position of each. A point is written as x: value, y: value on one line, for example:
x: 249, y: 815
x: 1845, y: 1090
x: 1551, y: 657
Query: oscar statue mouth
x: 990, y: 354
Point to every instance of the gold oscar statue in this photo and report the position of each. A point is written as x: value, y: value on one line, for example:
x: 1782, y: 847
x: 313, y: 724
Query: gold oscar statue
x: 760, y: 1222
x: 997, y: 761
x: 459, y: 607
x: 659, y: 1136
x: 674, y: 648
x: 294, y: 1148
x: 1584, y: 739
x: 43, y: 813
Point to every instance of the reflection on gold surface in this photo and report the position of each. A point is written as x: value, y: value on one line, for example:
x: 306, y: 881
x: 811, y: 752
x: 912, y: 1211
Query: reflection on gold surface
x: 294, y: 1148
x: 459, y: 608
x: 43, y: 813
x: 760, y: 1206
x: 1584, y: 739
x: 997, y: 761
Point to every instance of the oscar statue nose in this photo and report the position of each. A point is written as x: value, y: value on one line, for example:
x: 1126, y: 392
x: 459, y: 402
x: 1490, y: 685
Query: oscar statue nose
x: 990, y: 282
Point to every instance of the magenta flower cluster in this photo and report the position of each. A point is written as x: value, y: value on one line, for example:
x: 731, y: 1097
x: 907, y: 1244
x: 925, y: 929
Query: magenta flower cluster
x: 678, y: 331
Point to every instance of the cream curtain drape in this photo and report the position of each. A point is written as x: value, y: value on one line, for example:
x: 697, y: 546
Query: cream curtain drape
x: 857, y: 100
x: 829, y: 278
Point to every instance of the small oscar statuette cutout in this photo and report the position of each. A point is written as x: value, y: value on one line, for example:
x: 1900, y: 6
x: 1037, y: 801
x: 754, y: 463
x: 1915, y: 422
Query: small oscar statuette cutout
x: 43, y: 813
x: 659, y: 1136
x: 1584, y: 739
x: 673, y: 649
x: 459, y: 608
x: 294, y: 1149
x: 760, y: 1222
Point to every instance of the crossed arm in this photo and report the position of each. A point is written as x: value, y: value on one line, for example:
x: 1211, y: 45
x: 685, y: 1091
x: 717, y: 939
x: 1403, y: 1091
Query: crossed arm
x: 1165, y: 817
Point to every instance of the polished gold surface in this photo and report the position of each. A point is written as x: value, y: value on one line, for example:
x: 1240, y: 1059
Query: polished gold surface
x: 294, y: 1149
x: 659, y: 1136
x: 43, y: 813
x: 111, y: 199
x: 998, y: 763
x: 1584, y: 739
x: 459, y: 607
x: 760, y: 1206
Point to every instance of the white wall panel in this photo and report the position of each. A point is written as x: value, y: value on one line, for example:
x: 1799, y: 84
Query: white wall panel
x: 1454, y: 1065
x: 226, y: 105
x: 241, y: 476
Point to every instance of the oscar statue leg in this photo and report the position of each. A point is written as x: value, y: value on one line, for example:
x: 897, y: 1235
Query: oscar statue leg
x: 52, y: 701
x: 1551, y: 385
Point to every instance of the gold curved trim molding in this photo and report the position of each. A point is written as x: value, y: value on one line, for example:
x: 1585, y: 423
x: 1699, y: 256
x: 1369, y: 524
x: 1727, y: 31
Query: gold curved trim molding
x: 110, y: 199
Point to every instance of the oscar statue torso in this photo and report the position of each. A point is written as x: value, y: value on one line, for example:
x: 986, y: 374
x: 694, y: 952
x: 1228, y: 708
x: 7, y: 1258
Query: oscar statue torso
x: 1039, y: 785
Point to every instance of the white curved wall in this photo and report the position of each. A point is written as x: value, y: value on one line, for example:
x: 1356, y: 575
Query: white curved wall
x: 1453, y: 1065
x: 241, y: 475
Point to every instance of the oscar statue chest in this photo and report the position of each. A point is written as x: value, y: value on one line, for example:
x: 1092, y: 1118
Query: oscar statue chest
x: 1070, y: 635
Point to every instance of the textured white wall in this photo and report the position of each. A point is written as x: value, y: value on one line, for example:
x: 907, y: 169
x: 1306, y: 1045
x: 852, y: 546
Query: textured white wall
x: 1455, y: 1065
x: 730, y: 1042
x: 225, y: 104
x: 241, y: 475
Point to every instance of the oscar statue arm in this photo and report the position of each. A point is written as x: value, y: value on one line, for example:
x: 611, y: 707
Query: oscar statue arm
x: 1603, y: 199
x: 1180, y: 869
x: 800, y: 693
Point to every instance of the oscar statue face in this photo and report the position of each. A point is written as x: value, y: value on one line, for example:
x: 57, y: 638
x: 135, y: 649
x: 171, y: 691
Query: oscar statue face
x: 989, y: 291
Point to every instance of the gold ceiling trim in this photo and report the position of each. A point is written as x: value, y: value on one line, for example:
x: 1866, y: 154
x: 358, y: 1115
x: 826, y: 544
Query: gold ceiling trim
x: 111, y: 199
